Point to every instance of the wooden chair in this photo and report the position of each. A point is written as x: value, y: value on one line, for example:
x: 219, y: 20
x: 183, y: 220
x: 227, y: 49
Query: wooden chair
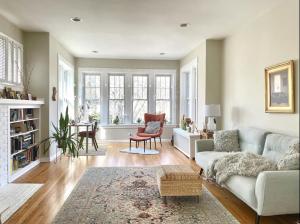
x: 152, y: 117
x: 91, y: 134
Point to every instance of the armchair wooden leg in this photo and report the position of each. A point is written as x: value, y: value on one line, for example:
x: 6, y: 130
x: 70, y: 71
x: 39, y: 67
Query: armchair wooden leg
x: 154, y: 143
x: 160, y: 141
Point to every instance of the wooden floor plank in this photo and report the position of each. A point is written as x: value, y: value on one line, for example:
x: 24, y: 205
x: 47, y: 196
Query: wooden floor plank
x: 60, y: 178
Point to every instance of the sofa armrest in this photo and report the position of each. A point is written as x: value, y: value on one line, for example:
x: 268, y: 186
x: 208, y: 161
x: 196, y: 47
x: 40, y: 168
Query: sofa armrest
x: 277, y: 192
x: 204, y: 145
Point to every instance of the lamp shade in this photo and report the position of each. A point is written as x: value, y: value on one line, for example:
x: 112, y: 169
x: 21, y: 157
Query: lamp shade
x: 212, y: 110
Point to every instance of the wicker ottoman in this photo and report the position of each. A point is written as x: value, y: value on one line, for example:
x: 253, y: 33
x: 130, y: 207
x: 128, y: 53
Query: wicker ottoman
x: 178, y: 180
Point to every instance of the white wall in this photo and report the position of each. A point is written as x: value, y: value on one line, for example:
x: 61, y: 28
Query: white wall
x: 209, y: 56
x: 271, y: 39
x: 10, y: 30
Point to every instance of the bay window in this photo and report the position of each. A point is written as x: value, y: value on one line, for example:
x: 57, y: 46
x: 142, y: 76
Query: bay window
x: 127, y: 93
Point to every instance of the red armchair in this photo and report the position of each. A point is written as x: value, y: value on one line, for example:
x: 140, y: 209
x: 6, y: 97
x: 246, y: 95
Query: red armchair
x: 152, y: 117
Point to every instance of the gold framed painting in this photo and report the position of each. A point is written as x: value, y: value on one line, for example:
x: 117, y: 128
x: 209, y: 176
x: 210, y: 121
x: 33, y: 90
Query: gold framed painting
x: 279, y: 88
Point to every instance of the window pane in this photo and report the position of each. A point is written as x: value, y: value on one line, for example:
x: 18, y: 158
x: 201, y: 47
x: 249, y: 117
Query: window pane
x: 116, y: 87
x: 116, y: 108
x: 2, y: 58
x: 163, y: 106
x: 9, y: 60
x: 15, y: 64
x: 92, y: 94
x: 19, y: 65
x: 140, y: 97
x: 163, y: 95
x: 140, y: 107
x: 140, y: 87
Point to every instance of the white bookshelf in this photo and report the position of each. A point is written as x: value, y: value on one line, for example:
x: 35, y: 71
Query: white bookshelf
x: 20, y: 122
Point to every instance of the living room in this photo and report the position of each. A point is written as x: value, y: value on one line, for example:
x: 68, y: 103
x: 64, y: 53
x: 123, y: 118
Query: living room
x: 149, y: 111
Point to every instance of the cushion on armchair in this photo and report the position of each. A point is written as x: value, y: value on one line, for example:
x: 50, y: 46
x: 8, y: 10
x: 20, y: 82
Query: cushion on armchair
x: 152, y: 127
x: 226, y: 141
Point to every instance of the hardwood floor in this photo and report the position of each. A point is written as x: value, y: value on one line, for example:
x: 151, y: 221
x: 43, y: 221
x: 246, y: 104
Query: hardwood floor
x: 60, y: 178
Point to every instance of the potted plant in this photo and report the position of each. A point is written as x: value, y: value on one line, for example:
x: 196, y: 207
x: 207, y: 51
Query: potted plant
x: 139, y: 120
x: 60, y: 135
x: 116, y: 120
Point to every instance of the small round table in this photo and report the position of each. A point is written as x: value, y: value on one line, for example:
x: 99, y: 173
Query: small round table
x: 139, y: 139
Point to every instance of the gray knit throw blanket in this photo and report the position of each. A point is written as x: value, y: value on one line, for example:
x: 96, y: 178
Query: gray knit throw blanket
x: 240, y: 163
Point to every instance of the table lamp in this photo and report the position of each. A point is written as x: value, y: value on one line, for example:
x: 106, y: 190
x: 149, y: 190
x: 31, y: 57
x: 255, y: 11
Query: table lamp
x: 211, y: 112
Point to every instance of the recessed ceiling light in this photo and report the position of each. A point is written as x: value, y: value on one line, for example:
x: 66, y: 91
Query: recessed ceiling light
x: 95, y: 52
x: 76, y: 19
x: 162, y: 53
x: 184, y: 25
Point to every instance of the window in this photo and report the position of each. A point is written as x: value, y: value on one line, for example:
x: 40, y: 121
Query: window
x: 92, y: 93
x: 126, y: 93
x: 116, y: 97
x: 187, y: 95
x: 163, y: 95
x: 2, y: 58
x: 66, y: 87
x: 140, y: 97
x: 11, y: 61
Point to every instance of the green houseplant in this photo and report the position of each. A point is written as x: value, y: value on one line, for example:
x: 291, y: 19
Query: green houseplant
x: 60, y: 135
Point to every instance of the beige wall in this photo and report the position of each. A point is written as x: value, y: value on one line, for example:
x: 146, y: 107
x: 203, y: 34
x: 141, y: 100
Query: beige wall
x: 36, y: 56
x: 209, y: 57
x: 41, y: 51
x: 271, y: 39
x: 10, y: 30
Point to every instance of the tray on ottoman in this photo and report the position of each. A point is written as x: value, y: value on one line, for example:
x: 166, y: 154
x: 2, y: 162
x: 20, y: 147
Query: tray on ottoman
x: 178, y: 180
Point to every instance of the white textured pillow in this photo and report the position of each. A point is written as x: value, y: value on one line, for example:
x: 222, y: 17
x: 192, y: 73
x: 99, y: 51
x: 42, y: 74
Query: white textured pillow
x: 152, y: 127
x: 290, y: 161
x: 226, y: 141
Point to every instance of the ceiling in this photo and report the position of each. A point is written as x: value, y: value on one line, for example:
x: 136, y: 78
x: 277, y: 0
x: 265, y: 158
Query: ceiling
x: 136, y: 29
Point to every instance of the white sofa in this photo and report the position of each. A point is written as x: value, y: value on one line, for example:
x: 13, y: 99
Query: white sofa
x: 272, y: 192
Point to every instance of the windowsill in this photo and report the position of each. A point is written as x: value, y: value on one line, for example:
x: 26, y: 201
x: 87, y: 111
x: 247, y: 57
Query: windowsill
x: 132, y: 126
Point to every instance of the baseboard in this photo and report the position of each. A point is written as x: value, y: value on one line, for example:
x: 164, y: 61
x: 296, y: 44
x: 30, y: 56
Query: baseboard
x: 52, y: 157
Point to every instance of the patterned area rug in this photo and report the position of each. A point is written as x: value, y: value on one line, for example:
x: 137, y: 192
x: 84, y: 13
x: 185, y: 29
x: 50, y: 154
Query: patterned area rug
x: 13, y: 196
x: 141, y: 151
x: 130, y: 195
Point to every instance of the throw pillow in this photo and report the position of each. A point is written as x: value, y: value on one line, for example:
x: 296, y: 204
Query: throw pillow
x: 290, y: 161
x: 226, y: 141
x: 152, y: 127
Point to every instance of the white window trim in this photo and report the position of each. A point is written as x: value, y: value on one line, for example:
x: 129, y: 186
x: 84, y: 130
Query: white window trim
x: 128, y: 89
x: 62, y: 61
x: 192, y: 69
x: 17, y: 86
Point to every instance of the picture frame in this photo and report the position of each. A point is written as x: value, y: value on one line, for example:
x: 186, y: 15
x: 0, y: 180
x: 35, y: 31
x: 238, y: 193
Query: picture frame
x: 279, y: 88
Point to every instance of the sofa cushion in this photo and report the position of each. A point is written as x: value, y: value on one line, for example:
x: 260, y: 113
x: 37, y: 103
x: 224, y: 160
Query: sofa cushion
x: 290, y: 161
x: 277, y: 145
x: 226, y: 141
x: 206, y: 158
x: 244, y: 188
x: 252, y: 140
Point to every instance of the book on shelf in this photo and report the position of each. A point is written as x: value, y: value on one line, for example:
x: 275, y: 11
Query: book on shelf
x: 24, y: 158
x: 16, y: 114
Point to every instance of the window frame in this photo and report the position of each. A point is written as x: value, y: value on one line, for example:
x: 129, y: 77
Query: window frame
x: 128, y: 88
x: 16, y: 80
x: 132, y: 95
x: 109, y: 99
x: 170, y: 94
